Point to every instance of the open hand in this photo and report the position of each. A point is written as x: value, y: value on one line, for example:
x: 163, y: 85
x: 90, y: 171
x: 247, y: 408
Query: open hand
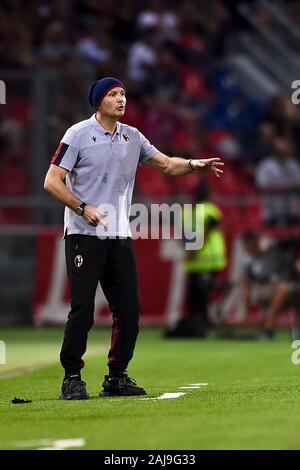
x: 209, y: 164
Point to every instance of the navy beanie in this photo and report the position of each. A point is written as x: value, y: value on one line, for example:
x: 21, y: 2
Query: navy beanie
x: 100, y: 88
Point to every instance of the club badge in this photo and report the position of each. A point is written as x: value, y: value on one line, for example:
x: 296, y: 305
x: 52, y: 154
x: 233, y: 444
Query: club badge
x: 78, y: 261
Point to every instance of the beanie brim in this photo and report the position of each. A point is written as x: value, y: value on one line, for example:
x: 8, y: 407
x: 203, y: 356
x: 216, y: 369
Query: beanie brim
x: 100, y: 88
x: 105, y: 93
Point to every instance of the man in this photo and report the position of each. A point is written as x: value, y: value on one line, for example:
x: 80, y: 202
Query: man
x: 271, y: 278
x: 98, y: 158
x: 278, y: 177
x: 201, y: 265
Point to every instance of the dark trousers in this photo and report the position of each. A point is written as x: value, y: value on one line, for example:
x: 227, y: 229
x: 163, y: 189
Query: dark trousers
x: 198, y: 288
x: 110, y: 262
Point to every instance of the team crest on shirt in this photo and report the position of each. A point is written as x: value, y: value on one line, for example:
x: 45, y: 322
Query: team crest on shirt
x: 125, y: 136
x: 78, y: 261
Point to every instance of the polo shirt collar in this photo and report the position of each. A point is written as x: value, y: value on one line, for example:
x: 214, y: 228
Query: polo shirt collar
x: 101, y: 129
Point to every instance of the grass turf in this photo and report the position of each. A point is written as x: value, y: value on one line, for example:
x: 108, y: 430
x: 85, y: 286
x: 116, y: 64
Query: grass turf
x: 251, y: 400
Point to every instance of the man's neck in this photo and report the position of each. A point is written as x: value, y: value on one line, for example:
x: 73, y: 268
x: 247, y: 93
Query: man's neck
x: 107, y: 123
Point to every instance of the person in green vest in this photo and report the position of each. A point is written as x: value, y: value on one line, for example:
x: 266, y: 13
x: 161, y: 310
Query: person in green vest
x: 201, y: 265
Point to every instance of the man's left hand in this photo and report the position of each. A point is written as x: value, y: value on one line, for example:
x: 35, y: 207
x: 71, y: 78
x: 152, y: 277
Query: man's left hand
x: 209, y: 164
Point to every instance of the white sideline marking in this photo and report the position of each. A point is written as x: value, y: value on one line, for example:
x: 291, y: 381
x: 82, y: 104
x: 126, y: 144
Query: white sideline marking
x: 191, y: 386
x: 166, y: 396
x: 194, y: 386
x: 51, y: 444
x: 203, y: 384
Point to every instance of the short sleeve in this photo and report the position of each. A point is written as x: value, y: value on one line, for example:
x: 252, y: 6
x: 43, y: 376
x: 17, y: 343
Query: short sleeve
x: 68, y: 150
x: 147, y: 150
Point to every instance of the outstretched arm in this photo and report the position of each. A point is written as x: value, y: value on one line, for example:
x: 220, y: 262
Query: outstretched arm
x: 176, y: 166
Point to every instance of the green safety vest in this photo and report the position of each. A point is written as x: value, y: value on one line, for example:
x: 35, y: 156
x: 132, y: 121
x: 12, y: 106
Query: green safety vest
x: 212, y: 255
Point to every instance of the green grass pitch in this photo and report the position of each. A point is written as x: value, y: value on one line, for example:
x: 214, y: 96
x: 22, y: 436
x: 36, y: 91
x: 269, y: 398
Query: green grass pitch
x: 251, y: 400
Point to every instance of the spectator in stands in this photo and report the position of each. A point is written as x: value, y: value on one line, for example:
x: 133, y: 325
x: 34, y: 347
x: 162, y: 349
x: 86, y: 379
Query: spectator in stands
x: 13, y: 175
x: 278, y: 177
x: 56, y: 49
x: 271, y: 278
x: 97, y: 46
x: 166, y: 18
x: 259, y: 145
x: 284, y: 115
x: 166, y: 82
x: 124, y: 27
x: 162, y: 122
x: 143, y: 54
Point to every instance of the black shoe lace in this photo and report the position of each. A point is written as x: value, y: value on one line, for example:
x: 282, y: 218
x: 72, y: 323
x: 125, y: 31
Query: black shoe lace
x: 77, y: 386
x: 125, y: 381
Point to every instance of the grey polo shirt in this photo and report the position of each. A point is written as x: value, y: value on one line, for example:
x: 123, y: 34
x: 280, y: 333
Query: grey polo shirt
x: 102, y: 170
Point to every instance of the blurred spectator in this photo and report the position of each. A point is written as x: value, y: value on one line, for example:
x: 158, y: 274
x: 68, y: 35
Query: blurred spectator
x: 164, y: 15
x: 162, y: 122
x: 278, y: 177
x: 271, y: 278
x: 285, y: 116
x: 16, y: 36
x: 13, y: 172
x: 166, y: 81
x: 124, y: 26
x: 260, y: 145
x: 12, y: 159
x: 56, y: 48
x: 97, y: 46
x: 143, y: 54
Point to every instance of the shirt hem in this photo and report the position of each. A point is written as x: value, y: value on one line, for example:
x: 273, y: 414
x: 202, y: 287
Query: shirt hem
x: 93, y: 234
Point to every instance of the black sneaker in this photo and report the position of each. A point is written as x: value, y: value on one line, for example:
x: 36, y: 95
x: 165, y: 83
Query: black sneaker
x: 120, y: 386
x: 73, y: 389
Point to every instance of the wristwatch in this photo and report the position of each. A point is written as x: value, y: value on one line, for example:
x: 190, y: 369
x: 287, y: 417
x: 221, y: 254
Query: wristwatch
x: 191, y: 165
x: 79, y: 209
